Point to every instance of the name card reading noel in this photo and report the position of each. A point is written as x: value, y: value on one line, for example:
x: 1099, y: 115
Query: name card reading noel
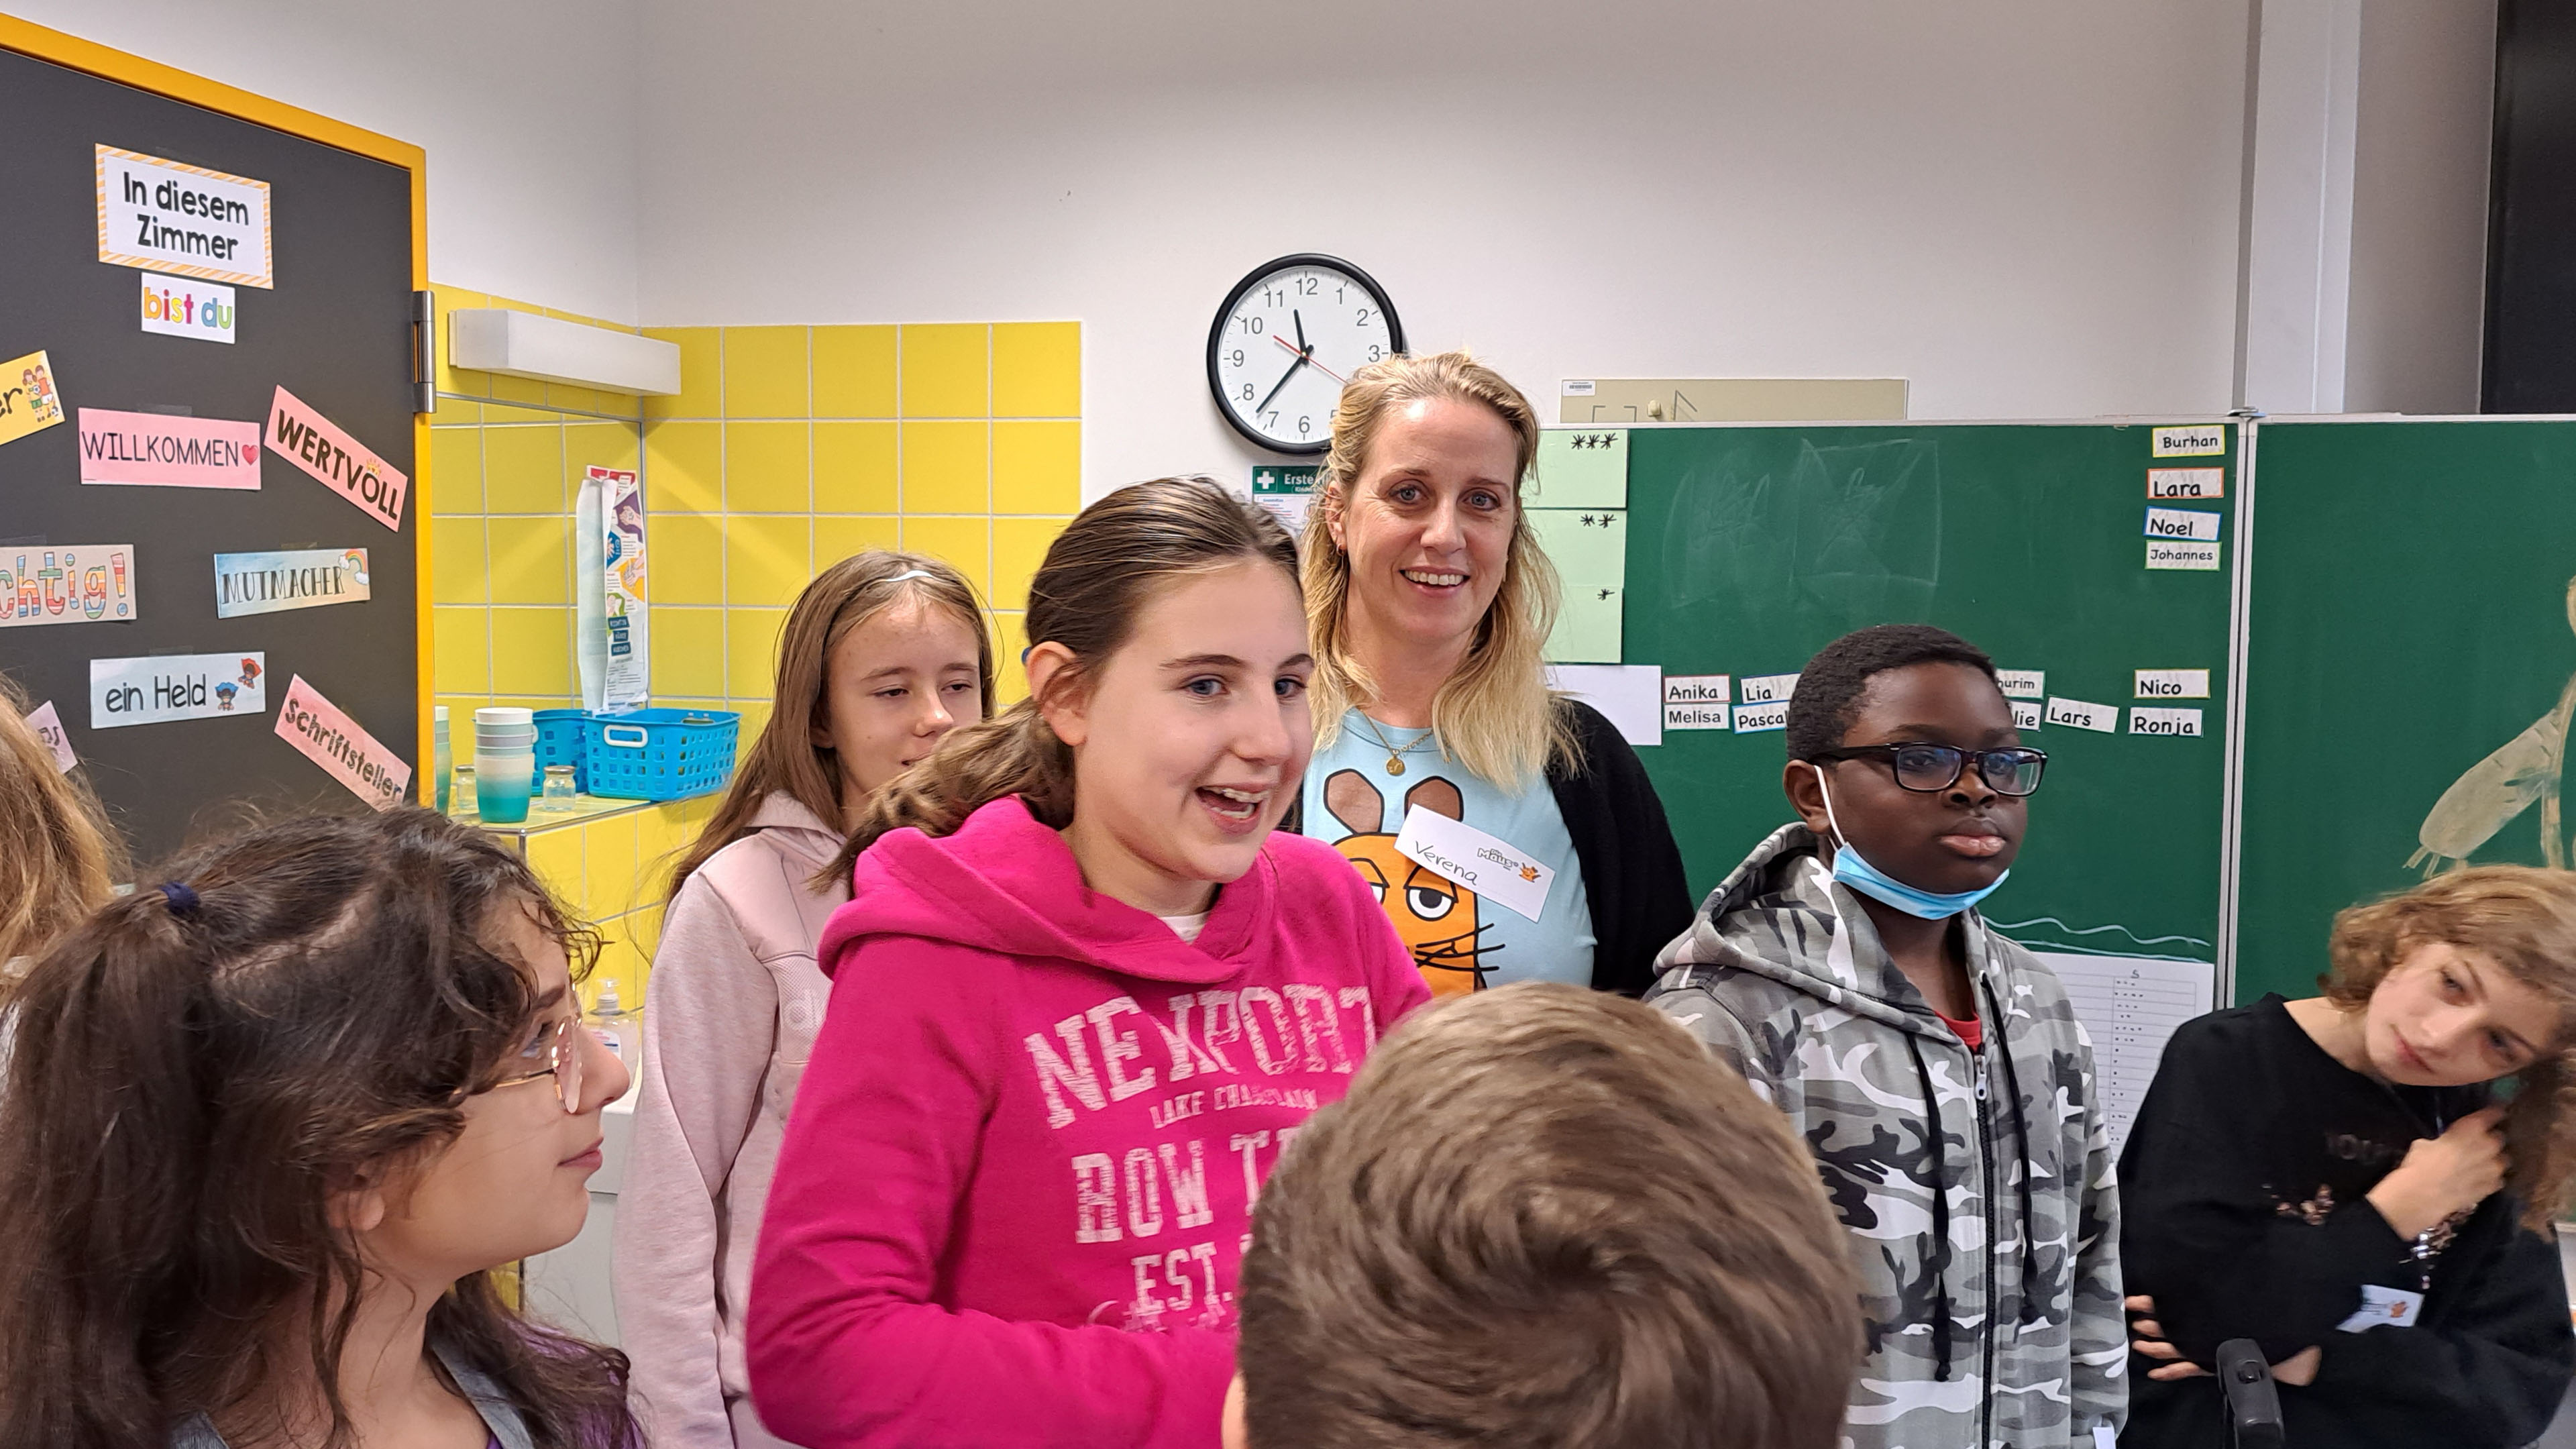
x: 315, y: 444
x: 186, y: 220
x: 159, y: 688
x: 153, y: 451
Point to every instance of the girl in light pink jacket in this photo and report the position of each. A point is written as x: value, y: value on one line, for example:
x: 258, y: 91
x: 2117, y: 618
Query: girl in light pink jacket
x: 883, y: 654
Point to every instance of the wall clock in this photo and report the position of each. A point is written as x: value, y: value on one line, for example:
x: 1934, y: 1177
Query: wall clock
x: 1289, y: 335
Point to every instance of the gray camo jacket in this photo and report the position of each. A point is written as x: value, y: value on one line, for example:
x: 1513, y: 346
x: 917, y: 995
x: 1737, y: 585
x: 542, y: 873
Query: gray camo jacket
x: 1782, y: 975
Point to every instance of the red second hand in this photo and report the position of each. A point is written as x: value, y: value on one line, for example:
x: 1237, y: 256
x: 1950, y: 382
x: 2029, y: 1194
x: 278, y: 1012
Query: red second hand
x: 1309, y: 355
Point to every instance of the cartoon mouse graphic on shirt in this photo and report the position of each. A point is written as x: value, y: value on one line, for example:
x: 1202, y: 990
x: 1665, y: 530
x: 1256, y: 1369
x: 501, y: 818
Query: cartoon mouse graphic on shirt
x: 1434, y: 916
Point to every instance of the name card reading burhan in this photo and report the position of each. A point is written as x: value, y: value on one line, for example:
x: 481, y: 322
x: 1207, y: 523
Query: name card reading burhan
x: 2202, y: 440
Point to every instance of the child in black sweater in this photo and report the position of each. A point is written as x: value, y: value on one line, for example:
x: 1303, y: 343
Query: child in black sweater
x: 2336, y: 1179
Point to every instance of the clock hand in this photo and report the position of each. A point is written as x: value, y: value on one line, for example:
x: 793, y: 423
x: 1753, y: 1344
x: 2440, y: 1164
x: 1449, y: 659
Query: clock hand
x: 1264, y: 405
x: 1301, y: 330
x: 1309, y: 355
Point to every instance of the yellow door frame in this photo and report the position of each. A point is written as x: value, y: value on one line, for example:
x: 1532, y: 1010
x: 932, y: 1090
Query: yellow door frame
x: 73, y: 53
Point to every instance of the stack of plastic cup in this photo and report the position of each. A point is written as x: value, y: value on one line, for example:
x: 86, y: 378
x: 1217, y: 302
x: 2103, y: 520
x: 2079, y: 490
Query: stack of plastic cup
x: 505, y: 763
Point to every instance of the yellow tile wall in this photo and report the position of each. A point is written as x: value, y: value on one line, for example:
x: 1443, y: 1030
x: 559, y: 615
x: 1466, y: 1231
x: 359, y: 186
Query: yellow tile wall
x: 787, y: 449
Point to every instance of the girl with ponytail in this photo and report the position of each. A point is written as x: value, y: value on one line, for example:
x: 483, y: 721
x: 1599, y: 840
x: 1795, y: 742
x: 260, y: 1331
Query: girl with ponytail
x: 266, y: 1131
x: 1082, y: 995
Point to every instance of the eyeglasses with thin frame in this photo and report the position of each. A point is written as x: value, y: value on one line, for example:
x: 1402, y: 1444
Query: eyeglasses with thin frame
x: 556, y: 1045
x: 1929, y: 768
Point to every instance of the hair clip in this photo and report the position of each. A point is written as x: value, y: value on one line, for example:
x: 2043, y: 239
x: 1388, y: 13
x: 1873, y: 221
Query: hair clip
x: 182, y: 901
x: 911, y: 574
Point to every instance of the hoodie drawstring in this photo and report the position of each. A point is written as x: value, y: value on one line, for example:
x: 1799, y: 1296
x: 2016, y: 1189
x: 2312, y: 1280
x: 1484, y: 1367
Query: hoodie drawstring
x: 1940, y: 1216
x: 2021, y: 1141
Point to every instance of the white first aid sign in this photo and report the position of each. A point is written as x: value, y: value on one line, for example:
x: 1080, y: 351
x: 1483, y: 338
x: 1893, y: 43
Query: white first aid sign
x: 187, y: 221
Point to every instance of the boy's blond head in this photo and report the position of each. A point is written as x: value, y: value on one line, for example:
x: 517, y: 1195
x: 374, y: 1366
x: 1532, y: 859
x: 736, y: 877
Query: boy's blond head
x: 1545, y: 1216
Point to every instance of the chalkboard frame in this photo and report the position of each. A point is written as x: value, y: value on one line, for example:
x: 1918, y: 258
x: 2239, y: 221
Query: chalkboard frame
x: 72, y: 53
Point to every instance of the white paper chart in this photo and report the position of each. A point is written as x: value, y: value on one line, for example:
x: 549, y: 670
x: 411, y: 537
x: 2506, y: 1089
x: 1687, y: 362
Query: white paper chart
x: 2130, y: 1006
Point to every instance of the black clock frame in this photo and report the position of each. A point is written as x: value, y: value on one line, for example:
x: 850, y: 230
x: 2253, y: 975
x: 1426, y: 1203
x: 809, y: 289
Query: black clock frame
x: 1225, y: 312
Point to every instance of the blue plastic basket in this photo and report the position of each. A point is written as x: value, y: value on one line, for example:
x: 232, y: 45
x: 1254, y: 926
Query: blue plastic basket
x: 660, y: 754
x: 563, y: 740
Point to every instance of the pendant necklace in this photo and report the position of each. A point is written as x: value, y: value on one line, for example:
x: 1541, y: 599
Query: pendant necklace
x: 1394, y: 753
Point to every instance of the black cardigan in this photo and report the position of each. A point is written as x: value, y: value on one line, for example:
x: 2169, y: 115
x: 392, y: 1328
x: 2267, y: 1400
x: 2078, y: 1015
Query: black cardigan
x: 1632, y: 870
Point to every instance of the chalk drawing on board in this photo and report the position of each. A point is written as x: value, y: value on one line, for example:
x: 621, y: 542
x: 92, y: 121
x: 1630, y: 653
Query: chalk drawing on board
x: 1863, y: 525
x: 2497, y: 789
x: 2048, y: 933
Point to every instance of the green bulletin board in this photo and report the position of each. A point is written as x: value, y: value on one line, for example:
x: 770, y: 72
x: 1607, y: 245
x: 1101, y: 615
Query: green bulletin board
x: 1748, y: 548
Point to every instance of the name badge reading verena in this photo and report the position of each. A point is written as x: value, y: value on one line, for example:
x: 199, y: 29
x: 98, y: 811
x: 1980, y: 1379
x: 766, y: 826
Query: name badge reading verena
x: 1486, y: 864
x: 2384, y: 1308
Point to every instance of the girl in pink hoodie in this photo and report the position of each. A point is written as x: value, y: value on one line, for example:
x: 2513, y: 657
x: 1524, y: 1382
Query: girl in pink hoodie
x: 1082, y: 996
x: 883, y: 654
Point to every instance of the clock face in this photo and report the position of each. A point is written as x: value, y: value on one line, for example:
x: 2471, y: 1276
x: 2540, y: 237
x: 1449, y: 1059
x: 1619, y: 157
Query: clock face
x: 1287, y: 339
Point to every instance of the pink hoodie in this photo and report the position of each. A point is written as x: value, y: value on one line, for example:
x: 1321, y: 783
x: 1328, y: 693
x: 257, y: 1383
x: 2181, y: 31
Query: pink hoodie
x: 1018, y: 1179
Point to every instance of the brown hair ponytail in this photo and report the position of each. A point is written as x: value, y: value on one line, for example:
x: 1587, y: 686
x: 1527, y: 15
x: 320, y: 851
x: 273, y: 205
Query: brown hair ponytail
x: 1098, y: 576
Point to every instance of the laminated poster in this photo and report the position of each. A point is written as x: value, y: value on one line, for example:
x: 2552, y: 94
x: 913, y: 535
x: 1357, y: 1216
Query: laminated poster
x: 159, y: 688
x: 154, y: 451
x: 72, y: 583
x: 188, y: 221
x: 29, y: 401
x: 329, y: 738
x: 272, y: 583
x: 339, y: 462
x: 614, y: 658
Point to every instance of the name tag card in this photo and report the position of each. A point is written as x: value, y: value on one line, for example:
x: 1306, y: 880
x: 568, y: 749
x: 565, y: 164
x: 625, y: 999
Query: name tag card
x: 1486, y: 864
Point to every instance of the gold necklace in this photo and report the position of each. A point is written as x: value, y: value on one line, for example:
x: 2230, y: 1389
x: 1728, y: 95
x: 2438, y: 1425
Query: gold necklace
x: 1394, y: 754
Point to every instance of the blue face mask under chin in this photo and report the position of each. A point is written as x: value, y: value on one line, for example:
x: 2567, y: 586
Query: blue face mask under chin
x: 1878, y: 885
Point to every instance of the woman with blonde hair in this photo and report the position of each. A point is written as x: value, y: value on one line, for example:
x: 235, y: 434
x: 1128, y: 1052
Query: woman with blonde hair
x: 59, y: 858
x: 883, y: 655
x: 1430, y: 601
x: 2339, y: 1180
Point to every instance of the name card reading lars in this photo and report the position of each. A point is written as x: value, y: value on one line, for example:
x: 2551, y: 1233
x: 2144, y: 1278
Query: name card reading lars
x: 2186, y: 483
x: 2173, y: 683
x: 2077, y: 714
x: 2023, y: 683
x: 1755, y: 718
x: 2178, y: 723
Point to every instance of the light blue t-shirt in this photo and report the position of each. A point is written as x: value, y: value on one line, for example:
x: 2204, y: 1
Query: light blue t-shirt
x: 1459, y: 941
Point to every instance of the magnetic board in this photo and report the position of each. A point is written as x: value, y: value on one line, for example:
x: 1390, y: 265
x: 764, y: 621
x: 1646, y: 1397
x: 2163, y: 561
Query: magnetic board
x: 334, y: 331
x: 2411, y: 667
x: 1751, y: 547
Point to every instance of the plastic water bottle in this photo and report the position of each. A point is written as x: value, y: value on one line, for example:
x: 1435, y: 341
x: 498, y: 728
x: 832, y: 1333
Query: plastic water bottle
x: 616, y: 1026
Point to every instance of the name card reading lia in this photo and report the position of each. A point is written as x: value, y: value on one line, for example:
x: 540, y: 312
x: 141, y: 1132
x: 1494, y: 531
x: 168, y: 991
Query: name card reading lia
x: 1769, y: 688
x: 159, y: 688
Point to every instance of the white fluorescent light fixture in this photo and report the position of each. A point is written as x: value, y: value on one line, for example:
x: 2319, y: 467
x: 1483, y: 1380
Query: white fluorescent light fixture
x: 523, y: 344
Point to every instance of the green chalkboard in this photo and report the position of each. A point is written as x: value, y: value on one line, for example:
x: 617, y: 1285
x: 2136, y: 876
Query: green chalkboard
x: 2412, y: 664
x: 1751, y: 547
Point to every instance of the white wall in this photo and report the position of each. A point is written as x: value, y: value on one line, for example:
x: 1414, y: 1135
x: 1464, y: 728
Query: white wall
x: 2419, y: 224
x: 524, y: 109
x: 2029, y: 209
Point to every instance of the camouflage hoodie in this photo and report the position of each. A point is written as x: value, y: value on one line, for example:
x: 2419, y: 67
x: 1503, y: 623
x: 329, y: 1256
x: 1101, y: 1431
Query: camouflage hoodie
x: 1988, y: 1250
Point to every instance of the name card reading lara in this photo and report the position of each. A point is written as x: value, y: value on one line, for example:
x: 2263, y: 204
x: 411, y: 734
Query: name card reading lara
x: 149, y: 450
x: 1487, y: 864
x: 2186, y: 483
x: 329, y: 738
x: 272, y: 583
x: 73, y: 583
x: 49, y: 728
x: 2179, y: 723
x: 2182, y: 523
x: 178, y: 307
x: 2028, y: 714
x: 29, y: 402
x: 2201, y: 440
x: 1769, y: 688
x: 2173, y: 683
x: 185, y: 220
x: 2023, y: 683
x: 315, y: 444
x: 2076, y: 714
x: 1696, y: 716
x: 159, y: 688
x: 1755, y: 718
x: 2170, y: 553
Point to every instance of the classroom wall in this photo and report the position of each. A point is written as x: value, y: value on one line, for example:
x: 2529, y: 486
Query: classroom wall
x: 527, y: 112
x: 2028, y: 210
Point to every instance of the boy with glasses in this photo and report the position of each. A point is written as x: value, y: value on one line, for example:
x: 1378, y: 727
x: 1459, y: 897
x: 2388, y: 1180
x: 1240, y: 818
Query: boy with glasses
x: 1934, y: 1068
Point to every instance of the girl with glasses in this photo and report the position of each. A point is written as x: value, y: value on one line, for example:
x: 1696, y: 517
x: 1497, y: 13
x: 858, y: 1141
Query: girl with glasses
x: 266, y: 1131
x: 884, y: 654
x: 2338, y: 1179
x: 1935, y: 1068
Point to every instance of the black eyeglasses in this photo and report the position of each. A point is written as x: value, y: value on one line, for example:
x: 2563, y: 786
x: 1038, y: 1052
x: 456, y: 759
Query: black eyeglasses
x: 1929, y: 767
